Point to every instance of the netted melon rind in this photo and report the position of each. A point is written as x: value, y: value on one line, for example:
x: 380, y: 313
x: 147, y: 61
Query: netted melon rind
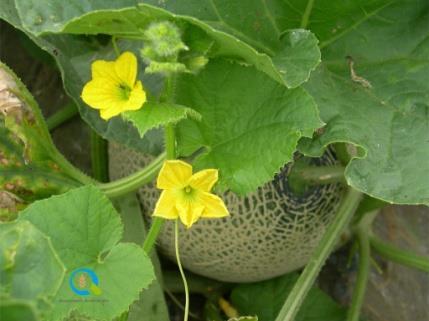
x: 270, y: 232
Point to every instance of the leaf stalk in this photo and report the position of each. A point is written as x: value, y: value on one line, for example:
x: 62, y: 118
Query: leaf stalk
x: 362, y: 275
x: 305, y: 281
x: 398, y: 255
x: 61, y: 116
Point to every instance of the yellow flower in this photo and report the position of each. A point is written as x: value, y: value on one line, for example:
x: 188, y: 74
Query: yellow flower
x: 113, y: 88
x: 187, y: 196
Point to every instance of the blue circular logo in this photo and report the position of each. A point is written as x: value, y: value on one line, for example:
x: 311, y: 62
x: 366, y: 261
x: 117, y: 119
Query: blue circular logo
x: 84, y: 281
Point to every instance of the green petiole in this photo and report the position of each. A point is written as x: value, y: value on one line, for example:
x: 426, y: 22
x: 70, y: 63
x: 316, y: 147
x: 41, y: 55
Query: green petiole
x: 345, y: 212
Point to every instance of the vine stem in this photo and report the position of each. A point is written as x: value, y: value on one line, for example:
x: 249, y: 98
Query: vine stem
x: 61, y: 116
x: 152, y: 234
x: 182, y: 273
x: 170, y: 153
x: 170, y: 141
x: 305, y: 281
x: 400, y: 256
x: 362, y: 275
x: 134, y: 181
x: 99, y: 157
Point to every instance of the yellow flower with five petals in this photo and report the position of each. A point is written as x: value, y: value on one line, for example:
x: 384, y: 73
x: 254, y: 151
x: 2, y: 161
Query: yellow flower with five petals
x: 187, y: 196
x: 113, y: 88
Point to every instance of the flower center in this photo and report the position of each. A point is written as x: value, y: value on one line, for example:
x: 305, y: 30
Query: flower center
x: 189, y: 193
x: 124, y: 91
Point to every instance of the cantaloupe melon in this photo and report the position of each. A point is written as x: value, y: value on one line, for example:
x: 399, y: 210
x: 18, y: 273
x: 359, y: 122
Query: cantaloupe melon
x: 269, y: 232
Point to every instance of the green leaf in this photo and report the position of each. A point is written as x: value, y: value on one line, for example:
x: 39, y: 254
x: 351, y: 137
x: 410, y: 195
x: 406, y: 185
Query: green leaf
x: 264, y: 26
x: 250, y: 124
x: 18, y: 310
x: 297, y: 57
x: 85, y: 230
x: 49, y: 15
x: 388, y: 122
x: 151, y: 303
x: 153, y: 115
x: 266, y: 298
x: 262, y: 31
x: 244, y: 319
x: 31, y: 166
x: 30, y: 269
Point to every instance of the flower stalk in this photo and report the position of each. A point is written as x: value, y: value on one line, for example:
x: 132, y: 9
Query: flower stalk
x: 182, y: 273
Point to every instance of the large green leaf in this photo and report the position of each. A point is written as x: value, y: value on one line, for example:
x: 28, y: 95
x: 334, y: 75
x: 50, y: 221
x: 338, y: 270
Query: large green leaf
x: 250, y: 124
x: 266, y: 298
x: 287, y: 56
x: 388, y: 41
x: 31, y: 272
x: 85, y: 230
x: 389, y: 122
x: 261, y: 23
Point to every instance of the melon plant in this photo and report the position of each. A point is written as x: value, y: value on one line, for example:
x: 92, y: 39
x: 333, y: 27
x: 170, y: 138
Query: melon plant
x: 256, y: 134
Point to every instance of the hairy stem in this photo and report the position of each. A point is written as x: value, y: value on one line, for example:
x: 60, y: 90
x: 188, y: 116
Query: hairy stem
x: 170, y: 142
x: 308, y: 276
x: 170, y: 153
x: 152, y: 234
x: 398, y: 255
x: 132, y: 182
x: 64, y: 114
x: 99, y: 157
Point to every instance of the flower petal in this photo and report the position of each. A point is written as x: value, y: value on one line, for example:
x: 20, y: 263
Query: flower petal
x: 213, y: 205
x: 104, y: 69
x: 174, y: 174
x: 204, y: 180
x: 108, y: 113
x: 137, y: 97
x: 165, y: 207
x: 189, y: 211
x: 126, y: 68
x: 100, y: 93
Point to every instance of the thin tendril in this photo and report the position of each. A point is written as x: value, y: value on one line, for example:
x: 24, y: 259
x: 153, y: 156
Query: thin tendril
x: 115, y: 46
x: 179, y: 264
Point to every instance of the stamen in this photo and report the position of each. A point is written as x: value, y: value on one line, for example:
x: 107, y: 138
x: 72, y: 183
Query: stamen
x: 125, y: 91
